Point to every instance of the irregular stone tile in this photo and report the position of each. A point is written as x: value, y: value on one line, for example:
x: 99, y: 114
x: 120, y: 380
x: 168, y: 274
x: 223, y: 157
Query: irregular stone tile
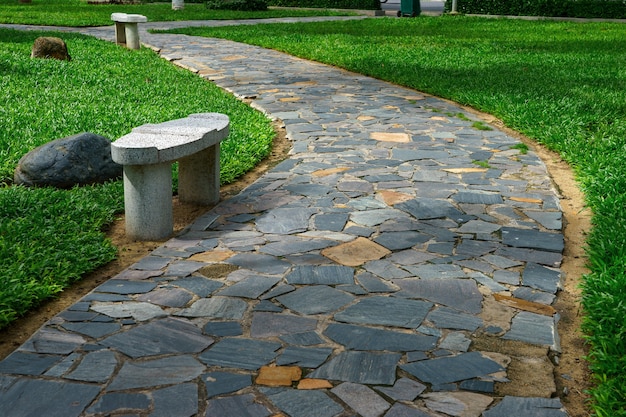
x: 487, y: 282
x: 525, y: 305
x: 404, y: 389
x: 552, y: 220
x: 477, y: 197
x: 302, y: 339
x: 159, y: 337
x: 25, y: 363
x: 448, y: 369
x: 152, y: 373
x: 268, y: 306
x: 534, y: 296
x: 200, y: 286
x: 218, y: 383
x: 478, y: 385
x: 52, y: 341
x: 213, y: 256
x: 315, y: 299
x: 303, y: 357
x: 367, y: 338
x: 429, y: 208
x: 278, y: 290
x: 134, y: 275
x: 267, y: 324
x: 240, y: 353
x: 251, y: 287
x: 456, y: 341
x: 552, y: 259
x: 311, y: 383
x: 386, y: 269
x: 334, y: 222
x: 223, y: 328
x: 139, y: 311
x: 541, y: 278
x: 402, y: 410
x: 278, y: 376
x: 151, y: 263
x: 533, y: 239
x: 458, y: 404
x: 238, y: 405
x: 393, y: 197
x: 501, y: 262
x: 321, y: 275
x: 216, y: 308
x: 96, y: 366
x: 507, y: 277
x: 478, y: 226
x: 448, y: 318
x: 167, y: 297
x: 356, y: 252
x: 373, y: 284
x: 285, y: 221
x: 416, y: 356
x: 62, y: 367
x: 536, y: 329
x: 390, y: 137
x: 401, y: 240
x: 462, y: 294
x: 183, y: 268
x: 375, y: 217
x: 475, y: 248
x: 77, y: 316
x: 536, y: 407
x: 361, y: 399
x: 293, y: 247
x: 53, y: 398
x: 179, y: 400
x: 386, y: 311
x: 433, y: 271
x: 360, y: 367
x: 95, y: 330
x: 297, y: 403
x: 112, y: 402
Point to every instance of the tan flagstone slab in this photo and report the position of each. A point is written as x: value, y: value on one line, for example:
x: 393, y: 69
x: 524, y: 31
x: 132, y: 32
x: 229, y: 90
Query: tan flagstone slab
x: 357, y: 252
x: 313, y: 383
x: 233, y: 57
x: 363, y: 118
x: 526, y: 200
x: 271, y: 90
x: 289, y: 99
x: 305, y: 83
x: 525, y: 305
x: 212, y: 256
x: 439, y: 118
x: 278, y: 376
x: 464, y: 170
x: 393, y: 197
x: 329, y: 171
x: 390, y: 137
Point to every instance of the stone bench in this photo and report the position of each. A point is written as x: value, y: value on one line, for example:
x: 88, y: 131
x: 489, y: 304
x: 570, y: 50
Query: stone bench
x: 147, y: 154
x: 126, y: 30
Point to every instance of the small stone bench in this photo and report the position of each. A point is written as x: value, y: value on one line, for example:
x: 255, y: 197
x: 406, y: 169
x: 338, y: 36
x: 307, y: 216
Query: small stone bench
x: 147, y: 154
x: 126, y: 30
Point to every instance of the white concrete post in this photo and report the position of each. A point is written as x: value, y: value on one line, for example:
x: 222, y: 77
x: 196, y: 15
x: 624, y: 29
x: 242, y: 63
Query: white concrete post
x: 132, y: 36
x: 178, y: 4
x: 199, y: 177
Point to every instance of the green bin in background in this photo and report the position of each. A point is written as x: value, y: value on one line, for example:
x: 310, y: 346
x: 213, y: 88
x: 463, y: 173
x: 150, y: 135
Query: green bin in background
x: 410, y: 8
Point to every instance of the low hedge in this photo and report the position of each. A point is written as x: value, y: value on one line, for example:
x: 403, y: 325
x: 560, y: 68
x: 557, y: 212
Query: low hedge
x: 607, y: 9
x: 328, y: 4
x: 240, y: 5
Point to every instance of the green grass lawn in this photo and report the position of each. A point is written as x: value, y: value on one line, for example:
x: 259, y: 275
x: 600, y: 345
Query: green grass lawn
x: 79, y: 13
x: 563, y: 84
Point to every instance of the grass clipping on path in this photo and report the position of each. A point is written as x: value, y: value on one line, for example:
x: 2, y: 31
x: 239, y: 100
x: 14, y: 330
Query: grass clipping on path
x: 49, y: 238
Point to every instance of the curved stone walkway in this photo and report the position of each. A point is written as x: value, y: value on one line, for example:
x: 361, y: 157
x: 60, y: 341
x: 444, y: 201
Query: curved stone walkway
x: 390, y: 267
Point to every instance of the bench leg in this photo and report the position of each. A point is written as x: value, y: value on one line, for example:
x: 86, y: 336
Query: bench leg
x: 199, y: 177
x: 132, y: 36
x: 148, y: 201
x: 120, y: 33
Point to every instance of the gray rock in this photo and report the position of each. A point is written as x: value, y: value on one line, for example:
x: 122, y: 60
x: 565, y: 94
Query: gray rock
x: 536, y: 407
x: 63, y: 163
x: 298, y: 403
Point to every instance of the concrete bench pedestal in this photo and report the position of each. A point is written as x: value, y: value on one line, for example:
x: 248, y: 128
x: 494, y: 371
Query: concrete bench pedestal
x: 147, y: 154
x: 126, y: 30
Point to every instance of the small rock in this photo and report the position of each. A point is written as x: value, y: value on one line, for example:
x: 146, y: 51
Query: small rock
x: 50, y: 47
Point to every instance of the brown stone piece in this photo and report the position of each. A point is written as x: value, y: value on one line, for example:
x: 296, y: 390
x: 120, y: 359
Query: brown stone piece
x: 393, y: 197
x: 357, y: 252
x: 278, y: 376
x: 526, y: 200
x: 465, y: 170
x: 312, y: 383
x: 330, y: 171
x: 390, y: 137
x: 50, y: 47
x: 212, y: 256
x: 518, y: 303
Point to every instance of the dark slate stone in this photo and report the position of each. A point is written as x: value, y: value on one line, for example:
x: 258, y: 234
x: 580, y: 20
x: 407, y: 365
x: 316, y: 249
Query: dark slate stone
x: 478, y: 386
x: 180, y: 400
x: 535, y: 329
x: 183, y: 268
x: 223, y: 328
x: 447, y: 318
x: 529, y: 255
x: 120, y: 286
x: 251, y: 287
x: 96, y: 366
x: 151, y: 263
x: 159, y: 337
x: 386, y: 269
x: 240, y: 353
x: 402, y: 410
x: 77, y: 316
x: 360, y: 367
x: 321, y: 274
x: 24, y: 363
x: 428, y: 208
x: 53, y: 341
x: 112, y: 298
x: 367, y: 338
x: 166, y: 371
x: 416, y: 356
x: 386, y: 311
x: 404, y: 389
x: 267, y: 324
x: 80, y: 159
x: 218, y: 383
x: 412, y: 154
x: 437, y: 271
x: 217, y: 308
x: 238, y: 405
x: 200, y: 286
x: 304, y: 357
x: 46, y: 398
x: 541, y: 278
x: 114, y: 401
x: 284, y: 248
x: 533, y: 239
x: 462, y: 294
x: 535, y: 296
x: 267, y: 305
x: 62, y: 367
x: 278, y: 290
x: 315, y: 299
x: 518, y: 406
x: 448, y: 369
x: 333, y: 222
x: 475, y: 248
x: 285, y: 221
x: 167, y: 297
x: 373, y: 284
x: 401, y: 240
x: 302, y: 339
x: 477, y: 197
x: 265, y: 264
x: 297, y: 403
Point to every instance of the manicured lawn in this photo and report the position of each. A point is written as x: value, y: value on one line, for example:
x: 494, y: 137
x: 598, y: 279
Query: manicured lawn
x: 563, y: 84
x: 50, y: 238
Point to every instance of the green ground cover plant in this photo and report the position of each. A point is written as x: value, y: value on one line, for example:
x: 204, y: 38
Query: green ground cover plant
x: 50, y: 238
x: 77, y: 13
x: 561, y: 83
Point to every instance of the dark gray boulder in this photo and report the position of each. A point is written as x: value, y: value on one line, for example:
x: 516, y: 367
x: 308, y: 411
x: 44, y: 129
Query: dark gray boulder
x: 63, y: 163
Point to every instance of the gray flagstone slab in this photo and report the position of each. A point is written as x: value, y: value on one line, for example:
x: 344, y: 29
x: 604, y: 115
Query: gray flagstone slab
x: 462, y: 294
x: 96, y: 366
x: 315, y: 299
x: 518, y: 406
x: 217, y: 308
x: 251, y: 287
x: 367, y: 338
x: 321, y: 275
x: 180, y: 400
x: 238, y: 405
x: 387, y: 311
x: 268, y: 324
x: 241, y: 353
x: 360, y: 367
x: 218, y: 383
x: 303, y: 403
x: 362, y: 399
x: 448, y: 369
x: 152, y: 373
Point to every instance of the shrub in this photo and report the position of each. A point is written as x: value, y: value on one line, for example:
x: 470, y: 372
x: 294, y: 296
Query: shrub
x: 607, y: 9
x: 240, y: 5
x: 329, y: 4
